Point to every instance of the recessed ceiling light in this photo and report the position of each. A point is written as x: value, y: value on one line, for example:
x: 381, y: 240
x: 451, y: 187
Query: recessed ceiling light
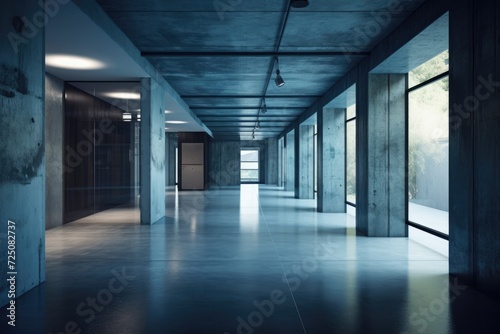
x: 168, y: 111
x: 175, y: 122
x: 127, y: 117
x: 300, y: 3
x: 123, y: 95
x: 73, y: 62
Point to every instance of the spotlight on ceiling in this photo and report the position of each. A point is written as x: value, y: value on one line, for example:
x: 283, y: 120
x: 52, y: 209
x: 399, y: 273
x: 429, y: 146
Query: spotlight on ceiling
x: 300, y: 3
x: 264, y: 107
x: 279, y: 79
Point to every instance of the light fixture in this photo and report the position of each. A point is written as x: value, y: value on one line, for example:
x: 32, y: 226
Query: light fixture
x: 175, y: 122
x: 300, y: 3
x: 264, y: 107
x: 72, y: 62
x: 253, y: 135
x: 168, y: 111
x: 123, y: 95
x: 279, y: 79
x: 127, y: 117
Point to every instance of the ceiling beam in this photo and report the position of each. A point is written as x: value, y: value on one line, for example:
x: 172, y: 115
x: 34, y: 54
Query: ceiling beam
x: 255, y: 54
x: 247, y: 108
x: 250, y: 96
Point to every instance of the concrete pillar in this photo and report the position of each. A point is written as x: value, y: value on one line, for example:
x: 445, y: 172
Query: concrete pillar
x: 22, y: 152
x: 272, y: 161
x: 331, y: 160
x: 152, y: 200
x: 304, y: 165
x: 281, y: 143
x: 171, y: 158
x: 290, y: 161
x: 384, y: 131
x: 474, y: 144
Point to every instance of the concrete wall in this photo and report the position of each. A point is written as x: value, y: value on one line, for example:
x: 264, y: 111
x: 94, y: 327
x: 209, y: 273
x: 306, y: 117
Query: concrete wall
x: 22, y: 171
x: 54, y: 139
x: 474, y: 144
x: 152, y: 200
x: 224, y: 163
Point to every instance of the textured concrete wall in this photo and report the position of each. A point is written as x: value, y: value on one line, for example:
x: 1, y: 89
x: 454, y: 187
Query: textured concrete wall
x: 290, y: 161
x: 54, y: 139
x: 474, y: 144
x: 224, y: 163
x: 22, y: 152
x: 272, y: 161
x: 304, y: 165
x: 152, y: 200
x: 331, y: 160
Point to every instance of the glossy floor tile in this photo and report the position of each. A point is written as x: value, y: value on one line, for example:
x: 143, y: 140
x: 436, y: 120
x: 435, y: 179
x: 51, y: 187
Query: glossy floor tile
x: 243, y: 260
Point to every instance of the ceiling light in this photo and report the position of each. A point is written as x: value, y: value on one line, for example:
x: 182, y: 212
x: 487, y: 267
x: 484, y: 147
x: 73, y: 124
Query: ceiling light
x: 73, y: 62
x: 175, y: 122
x: 300, y: 3
x: 168, y: 111
x: 127, y: 117
x: 123, y: 95
x: 279, y: 79
x: 264, y: 107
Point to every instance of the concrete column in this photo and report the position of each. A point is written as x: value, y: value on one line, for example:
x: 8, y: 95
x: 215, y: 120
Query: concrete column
x: 384, y: 213
x: 152, y: 200
x: 290, y: 161
x: 281, y: 144
x: 331, y: 160
x: 171, y: 158
x: 304, y: 165
x: 474, y: 144
x: 272, y: 164
x: 22, y: 152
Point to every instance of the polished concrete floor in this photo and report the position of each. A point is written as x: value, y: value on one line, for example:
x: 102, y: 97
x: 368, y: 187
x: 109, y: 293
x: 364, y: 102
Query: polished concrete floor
x: 249, y: 260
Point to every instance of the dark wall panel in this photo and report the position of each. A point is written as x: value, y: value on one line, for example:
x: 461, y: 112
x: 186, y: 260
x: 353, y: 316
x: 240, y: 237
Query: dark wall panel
x: 97, y: 149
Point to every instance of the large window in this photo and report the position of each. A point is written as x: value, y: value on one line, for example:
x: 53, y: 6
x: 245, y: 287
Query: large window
x: 249, y: 166
x: 350, y: 144
x: 428, y: 145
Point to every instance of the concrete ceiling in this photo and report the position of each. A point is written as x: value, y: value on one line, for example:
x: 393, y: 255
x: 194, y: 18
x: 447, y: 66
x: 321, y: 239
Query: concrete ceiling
x: 220, y: 55
x: 71, y: 32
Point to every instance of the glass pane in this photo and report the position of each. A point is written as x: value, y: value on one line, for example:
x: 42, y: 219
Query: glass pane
x: 351, y: 112
x: 249, y: 165
x: 249, y: 155
x: 351, y: 161
x: 428, y: 156
x: 249, y: 175
x: 429, y: 69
